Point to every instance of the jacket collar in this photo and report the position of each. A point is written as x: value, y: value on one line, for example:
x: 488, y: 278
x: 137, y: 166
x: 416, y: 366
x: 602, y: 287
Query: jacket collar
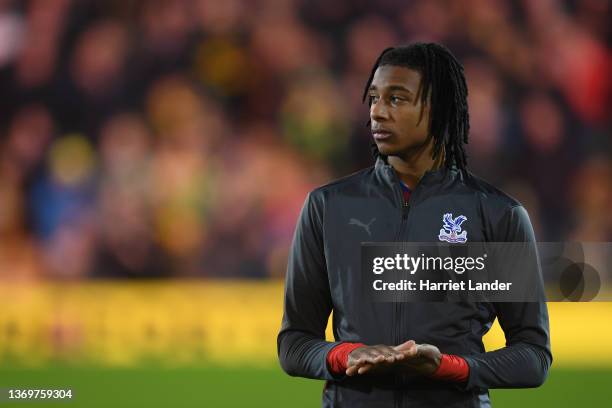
x: 431, y: 177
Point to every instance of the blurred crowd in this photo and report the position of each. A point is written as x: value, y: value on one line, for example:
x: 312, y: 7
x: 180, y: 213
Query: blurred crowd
x: 180, y: 138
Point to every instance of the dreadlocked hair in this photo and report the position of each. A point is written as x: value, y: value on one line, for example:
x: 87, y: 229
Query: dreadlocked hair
x: 443, y: 80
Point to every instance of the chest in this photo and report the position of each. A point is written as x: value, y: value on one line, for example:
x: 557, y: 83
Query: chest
x: 443, y: 218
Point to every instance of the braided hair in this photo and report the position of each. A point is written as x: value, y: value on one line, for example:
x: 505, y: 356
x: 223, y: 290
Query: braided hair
x: 442, y: 78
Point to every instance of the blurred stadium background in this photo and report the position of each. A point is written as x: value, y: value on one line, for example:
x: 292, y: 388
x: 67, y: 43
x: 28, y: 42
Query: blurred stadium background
x: 154, y: 156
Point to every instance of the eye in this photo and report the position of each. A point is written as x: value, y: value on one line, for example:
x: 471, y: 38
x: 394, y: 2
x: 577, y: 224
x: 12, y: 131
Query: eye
x: 396, y: 99
x: 372, y: 99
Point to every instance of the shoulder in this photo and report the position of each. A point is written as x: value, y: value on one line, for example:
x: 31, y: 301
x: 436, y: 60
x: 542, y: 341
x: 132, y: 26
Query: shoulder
x: 318, y: 199
x: 490, y: 194
x: 351, y: 182
x: 506, y: 216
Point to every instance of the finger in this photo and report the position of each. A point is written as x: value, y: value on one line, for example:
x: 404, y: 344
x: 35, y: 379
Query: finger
x: 379, y: 358
x: 392, y: 356
x: 362, y: 361
x: 372, y: 361
x: 407, y: 350
x: 359, y: 362
x: 388, y: 352
x: 397, y: 354
x: 391, y: 359
x: 374, y: 356
x: 364, y: 369
x: 352, y: 370
x: 405, y: 345
x: 391, y: 351
x: 411, y: 353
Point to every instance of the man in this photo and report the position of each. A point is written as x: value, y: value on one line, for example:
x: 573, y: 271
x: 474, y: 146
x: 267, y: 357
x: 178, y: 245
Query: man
x: 406, y: 354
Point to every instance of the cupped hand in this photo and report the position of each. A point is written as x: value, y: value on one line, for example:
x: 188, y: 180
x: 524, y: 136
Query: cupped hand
x: 420, y: 359
x: 376, y: 358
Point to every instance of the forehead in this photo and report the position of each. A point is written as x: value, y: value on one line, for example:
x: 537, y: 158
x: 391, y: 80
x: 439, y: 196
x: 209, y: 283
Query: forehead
x: 395, y: 76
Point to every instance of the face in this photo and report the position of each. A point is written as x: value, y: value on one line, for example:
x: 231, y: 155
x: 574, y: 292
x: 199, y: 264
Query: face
x: 399, y: 121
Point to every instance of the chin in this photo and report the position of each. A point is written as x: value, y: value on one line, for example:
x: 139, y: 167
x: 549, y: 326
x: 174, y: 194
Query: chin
x: 387, y: 150
x: 383, y: 148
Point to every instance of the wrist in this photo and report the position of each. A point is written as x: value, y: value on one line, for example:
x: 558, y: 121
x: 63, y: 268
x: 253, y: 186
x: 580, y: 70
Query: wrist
x: 337, y: 358
x: 451, y: 368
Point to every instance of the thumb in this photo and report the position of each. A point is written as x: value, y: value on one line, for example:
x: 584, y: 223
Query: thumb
x: 406, y: 346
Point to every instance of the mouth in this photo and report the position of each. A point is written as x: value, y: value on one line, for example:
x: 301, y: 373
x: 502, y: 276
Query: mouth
x: 380, y: 135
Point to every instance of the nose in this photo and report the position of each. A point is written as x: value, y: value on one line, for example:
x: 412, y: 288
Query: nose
x: 378, y: 111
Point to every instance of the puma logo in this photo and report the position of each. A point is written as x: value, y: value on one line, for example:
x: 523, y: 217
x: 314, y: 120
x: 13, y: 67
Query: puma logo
x: 355, y: 221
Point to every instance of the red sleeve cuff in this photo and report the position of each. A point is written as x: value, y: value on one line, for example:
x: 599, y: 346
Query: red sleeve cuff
x: 337, y: 358
x: 452, y: 368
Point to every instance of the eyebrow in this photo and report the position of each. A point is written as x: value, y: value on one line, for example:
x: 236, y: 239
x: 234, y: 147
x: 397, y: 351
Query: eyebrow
x: 392, y: 88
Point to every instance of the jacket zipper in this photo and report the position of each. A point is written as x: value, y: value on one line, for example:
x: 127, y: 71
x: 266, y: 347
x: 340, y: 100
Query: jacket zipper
x: 397, y: 306
x: 397, y: 309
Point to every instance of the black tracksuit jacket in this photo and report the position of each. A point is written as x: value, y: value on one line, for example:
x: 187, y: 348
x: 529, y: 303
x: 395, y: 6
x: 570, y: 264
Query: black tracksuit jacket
x: 324, y: 263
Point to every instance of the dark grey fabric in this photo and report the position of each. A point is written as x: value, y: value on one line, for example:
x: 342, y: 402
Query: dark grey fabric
x: 323, y: 275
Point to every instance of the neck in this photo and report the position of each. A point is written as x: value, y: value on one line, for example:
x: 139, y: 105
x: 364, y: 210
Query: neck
x: 410, y: 167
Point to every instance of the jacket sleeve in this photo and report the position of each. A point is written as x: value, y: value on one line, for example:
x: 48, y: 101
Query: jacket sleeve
x: 302, y: 348
x: 525, y: 360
